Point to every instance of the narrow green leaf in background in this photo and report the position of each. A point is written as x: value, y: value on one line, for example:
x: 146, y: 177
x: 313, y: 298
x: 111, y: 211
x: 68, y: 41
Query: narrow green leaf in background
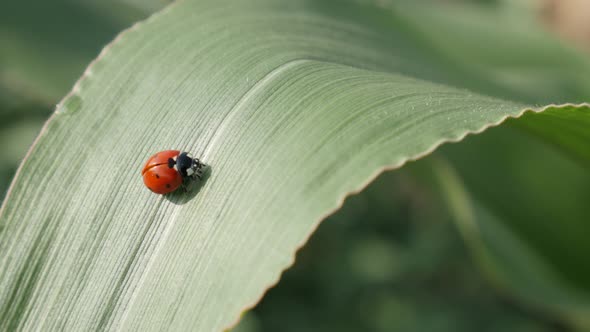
x: 295, y: 105
x: 515, y: 223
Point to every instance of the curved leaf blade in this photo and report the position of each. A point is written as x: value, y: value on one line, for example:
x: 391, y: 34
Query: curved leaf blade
x: 291, y: 106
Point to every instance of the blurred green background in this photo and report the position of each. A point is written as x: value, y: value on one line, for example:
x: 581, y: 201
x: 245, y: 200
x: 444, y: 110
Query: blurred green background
x: 390, y: 260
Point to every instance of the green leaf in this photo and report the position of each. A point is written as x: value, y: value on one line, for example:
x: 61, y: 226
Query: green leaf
x: 43, y: 51
x: 566, y: 128
x: 294, y: 105
x: 533, y: 192
x: 522, y: 216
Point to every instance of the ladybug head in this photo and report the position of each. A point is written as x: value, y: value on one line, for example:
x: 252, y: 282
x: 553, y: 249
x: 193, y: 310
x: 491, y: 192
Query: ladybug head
x: 187, y: 166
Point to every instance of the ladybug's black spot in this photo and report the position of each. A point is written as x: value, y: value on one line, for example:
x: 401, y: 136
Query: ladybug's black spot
x: 167, y: 185
x: 157, y: 176
x: 171, y: 163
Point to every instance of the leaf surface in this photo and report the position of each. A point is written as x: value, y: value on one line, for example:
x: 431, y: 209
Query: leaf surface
x: 294, y: 105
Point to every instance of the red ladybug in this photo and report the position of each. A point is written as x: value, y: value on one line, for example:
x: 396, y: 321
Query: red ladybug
x: 167, y: 170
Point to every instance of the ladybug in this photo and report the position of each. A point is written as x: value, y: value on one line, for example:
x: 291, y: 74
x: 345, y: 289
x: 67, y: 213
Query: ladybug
x: 168, y: 170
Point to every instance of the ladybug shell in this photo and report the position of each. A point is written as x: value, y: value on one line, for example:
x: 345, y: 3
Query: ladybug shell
x: 158, y: 176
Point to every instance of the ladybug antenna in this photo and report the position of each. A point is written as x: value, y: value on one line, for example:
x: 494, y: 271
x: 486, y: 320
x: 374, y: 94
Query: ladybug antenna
x: 171, y: 162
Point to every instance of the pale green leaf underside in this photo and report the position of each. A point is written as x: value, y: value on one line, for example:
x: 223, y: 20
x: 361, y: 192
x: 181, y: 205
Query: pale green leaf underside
x: 292, y: 106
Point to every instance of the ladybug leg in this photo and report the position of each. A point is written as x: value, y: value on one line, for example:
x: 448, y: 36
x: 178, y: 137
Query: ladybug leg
x: 199, y: 173
x: 198, y: 168
x: 185, y: 187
